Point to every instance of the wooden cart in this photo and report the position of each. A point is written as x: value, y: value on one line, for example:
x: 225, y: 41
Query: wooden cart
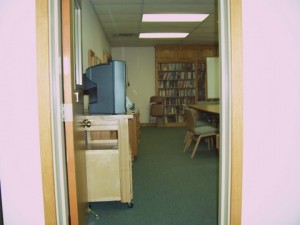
x: 108, y: 158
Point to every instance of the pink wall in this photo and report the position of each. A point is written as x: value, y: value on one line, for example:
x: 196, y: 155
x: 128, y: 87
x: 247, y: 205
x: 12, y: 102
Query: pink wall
x: 271, y: 175
x: 20, y: 163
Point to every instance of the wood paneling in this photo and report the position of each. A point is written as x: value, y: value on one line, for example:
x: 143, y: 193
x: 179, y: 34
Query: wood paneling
x: 186, y: 53
x: 171, y: 53
x: 165, y: 53
x: 44, y: 106
x: 237, y: 111
x: 206, y: 51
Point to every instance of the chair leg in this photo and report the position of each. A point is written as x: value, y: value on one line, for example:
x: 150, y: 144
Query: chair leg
x: 196, y: 146
x: 188, y: 143
x: 208, y: 143
x: 159, y: 121
x: 187, y: 136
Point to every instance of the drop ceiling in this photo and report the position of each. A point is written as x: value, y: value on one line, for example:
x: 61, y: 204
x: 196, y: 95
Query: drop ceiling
x: 121, y: 21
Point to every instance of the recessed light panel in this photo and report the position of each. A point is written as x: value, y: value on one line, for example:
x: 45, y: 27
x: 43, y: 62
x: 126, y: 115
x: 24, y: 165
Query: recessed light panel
x: 163, y: 35
x: 174, y: 17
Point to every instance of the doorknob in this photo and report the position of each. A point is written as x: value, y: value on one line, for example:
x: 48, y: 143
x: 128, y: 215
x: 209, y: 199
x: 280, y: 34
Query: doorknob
x: 86, y: 123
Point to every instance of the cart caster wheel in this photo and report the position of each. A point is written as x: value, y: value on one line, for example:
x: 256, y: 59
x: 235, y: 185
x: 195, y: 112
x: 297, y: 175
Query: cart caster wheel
x: 130, y: 204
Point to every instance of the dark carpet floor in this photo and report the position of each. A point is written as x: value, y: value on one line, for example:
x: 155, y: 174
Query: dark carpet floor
x: 169, y: 188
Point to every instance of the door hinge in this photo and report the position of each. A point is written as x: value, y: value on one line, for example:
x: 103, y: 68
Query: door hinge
x: 67, y: 113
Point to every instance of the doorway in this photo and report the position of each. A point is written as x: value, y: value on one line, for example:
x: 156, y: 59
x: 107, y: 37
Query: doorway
x: 226, y: 10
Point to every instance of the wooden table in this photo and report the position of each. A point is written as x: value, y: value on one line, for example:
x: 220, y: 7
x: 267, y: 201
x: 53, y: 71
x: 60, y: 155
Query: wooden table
x: 206, y: 108
x: 214, y: 109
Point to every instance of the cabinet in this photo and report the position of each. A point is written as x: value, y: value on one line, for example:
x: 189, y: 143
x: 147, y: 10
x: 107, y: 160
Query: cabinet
x: 181, y: 78
x: 213, y: 78
x: 108, y: 160
x: 208, y: 79
x: 133, y: 129
x: 134, y: 134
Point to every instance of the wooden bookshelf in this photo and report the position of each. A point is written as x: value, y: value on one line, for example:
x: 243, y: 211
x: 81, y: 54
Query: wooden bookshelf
x: 176, y: 82
x: 181, y: 78
x: 201, y: 80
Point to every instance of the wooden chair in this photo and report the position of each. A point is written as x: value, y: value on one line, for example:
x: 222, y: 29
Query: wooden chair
x: 199, y: 122
x: 157, y: 108
x: 197, y: 133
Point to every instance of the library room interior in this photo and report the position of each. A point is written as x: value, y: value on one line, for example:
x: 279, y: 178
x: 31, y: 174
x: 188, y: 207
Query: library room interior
x: 148, y: 84
x: 150, y: 112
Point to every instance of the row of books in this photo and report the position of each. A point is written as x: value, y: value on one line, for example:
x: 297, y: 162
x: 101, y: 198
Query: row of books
x: 177, y: 84
x: 175, y: 75
x: 201, y: 74
x: 180, y: 101
x: 177, y: 92
x: 176, y: 66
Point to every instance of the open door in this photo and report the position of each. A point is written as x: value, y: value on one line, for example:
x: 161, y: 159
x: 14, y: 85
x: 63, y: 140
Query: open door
x: 73, y: 107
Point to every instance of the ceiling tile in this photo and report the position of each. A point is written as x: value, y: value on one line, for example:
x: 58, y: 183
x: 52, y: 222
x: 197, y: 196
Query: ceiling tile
x: 118, y: 9
x: 122, y: 21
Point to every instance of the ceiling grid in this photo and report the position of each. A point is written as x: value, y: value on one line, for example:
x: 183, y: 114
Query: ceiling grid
x: 121, y: 21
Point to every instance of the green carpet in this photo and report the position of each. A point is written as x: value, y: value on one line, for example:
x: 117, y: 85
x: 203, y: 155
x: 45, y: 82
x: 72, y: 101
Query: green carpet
x: 169, y: 188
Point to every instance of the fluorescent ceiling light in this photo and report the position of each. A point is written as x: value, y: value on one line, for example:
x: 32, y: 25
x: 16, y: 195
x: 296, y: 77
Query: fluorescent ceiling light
x: 174, y: 17
x: 163, y: 35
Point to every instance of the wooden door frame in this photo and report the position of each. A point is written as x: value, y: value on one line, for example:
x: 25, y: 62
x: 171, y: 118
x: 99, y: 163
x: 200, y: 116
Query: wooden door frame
x: 77, y: 181
x: 44, y: 108
x: 236, y: 90
x: 43, y: 73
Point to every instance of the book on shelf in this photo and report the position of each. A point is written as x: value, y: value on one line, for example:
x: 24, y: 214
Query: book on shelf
x: 176, y: 66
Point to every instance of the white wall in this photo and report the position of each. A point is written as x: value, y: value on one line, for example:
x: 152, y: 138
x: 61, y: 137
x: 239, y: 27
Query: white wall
x: 141, y: 76
x: 20, y: 163
x: 271, y: 173
x: 93, y: 36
